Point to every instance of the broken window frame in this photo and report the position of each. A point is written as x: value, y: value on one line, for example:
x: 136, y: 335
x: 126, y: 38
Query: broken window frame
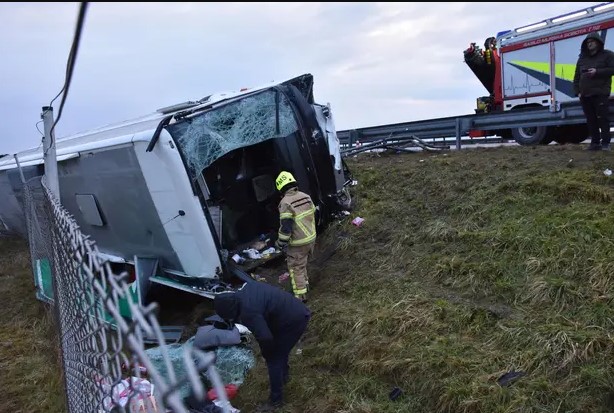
x: 201, y: 131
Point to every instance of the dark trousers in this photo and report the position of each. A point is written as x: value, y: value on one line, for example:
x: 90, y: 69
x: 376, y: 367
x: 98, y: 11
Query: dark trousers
x: 277, y: 359
x: 597, y: 118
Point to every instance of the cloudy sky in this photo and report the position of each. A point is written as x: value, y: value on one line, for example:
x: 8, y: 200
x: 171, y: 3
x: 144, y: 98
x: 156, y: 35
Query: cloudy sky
x: 376, y: 63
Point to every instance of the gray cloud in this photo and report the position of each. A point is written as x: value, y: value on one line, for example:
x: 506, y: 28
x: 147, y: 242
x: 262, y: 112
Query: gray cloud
x: 374, y: 62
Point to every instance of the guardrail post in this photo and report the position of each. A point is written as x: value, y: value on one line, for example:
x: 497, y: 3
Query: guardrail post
x: 352, y: 137
x: 458, y: 133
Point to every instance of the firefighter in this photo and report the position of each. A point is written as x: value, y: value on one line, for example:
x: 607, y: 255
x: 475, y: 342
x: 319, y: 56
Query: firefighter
x: 297, y: 231
x: 276, y: 319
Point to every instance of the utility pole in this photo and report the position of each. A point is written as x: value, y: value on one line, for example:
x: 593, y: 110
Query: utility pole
x: 51, y: 164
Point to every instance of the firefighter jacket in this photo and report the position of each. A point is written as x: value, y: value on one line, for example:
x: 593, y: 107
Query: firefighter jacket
x: 601, y: 83
x: 297, y: 219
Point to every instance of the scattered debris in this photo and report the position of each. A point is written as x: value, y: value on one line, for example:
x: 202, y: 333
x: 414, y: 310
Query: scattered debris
x: 135, y: 393
x: 258, y: 277
x: 229, y: 407
x: 127, y: 368
x: 252, y: 253
x: 395, y: 394
x: 283, y: 277
x: 607, y: 172
x: 398, y: 144
x: 172, y: 334
x: 267, y: 252
x: 238, y: 259
x: 231, y: 392
x: 510, y: 378
x: 358, y: 221
x: 216, y: 332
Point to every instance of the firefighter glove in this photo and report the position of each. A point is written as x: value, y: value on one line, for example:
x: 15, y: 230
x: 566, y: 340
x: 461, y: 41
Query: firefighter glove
x: 281, y: 245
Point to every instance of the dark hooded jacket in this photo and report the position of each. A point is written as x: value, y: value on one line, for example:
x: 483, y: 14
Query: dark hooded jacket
x: 601, y: 83
x: 265, y: 310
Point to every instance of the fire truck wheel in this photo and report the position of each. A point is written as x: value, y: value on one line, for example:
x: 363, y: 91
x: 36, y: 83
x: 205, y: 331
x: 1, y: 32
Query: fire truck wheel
x: 538, y: 135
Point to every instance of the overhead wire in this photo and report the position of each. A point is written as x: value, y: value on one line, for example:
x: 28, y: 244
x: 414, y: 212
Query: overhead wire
x: 70, y: 65
x: 41, y: 132
x: 38, y: 129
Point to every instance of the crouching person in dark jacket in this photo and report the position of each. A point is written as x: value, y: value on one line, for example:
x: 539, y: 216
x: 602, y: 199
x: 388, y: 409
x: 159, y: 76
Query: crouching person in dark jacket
x: 276, y: 319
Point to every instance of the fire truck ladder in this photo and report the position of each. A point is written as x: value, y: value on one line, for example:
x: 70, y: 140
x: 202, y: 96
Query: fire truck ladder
x: 546, y: 26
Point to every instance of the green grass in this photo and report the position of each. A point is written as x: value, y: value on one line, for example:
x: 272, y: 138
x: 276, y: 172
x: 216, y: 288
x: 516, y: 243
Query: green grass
x: 30, y: 378
x: 469, y: 264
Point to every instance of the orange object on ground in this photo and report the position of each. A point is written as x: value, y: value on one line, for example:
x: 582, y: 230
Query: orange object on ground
x: 231, y: 392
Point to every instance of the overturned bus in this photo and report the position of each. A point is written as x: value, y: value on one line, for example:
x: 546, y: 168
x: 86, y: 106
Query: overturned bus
x: 173, y: 195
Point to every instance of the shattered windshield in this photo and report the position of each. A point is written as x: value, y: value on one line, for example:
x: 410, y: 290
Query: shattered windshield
x: 251, y: 120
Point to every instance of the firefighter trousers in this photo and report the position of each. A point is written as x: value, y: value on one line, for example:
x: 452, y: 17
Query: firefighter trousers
x: 297, y: 257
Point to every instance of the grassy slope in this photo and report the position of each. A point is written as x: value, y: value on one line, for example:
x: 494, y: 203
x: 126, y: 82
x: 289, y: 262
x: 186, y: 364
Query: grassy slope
x: 29, y: 364
x: 468, y: 265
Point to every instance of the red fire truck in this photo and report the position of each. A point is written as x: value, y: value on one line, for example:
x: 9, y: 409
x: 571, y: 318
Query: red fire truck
x: 533, y: 67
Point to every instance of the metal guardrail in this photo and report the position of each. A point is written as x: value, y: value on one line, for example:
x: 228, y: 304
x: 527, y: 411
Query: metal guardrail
x: 457, y: 127
x: 567, y: 115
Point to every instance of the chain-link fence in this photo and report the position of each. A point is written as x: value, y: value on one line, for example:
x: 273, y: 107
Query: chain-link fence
x: 103, y: 351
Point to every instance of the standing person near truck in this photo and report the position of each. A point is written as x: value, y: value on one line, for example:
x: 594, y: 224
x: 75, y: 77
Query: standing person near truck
x: 592, y: 84
x: 297, y: 231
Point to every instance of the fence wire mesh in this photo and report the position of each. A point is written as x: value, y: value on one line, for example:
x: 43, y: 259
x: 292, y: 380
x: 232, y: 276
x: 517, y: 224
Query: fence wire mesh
x: 103, y: 351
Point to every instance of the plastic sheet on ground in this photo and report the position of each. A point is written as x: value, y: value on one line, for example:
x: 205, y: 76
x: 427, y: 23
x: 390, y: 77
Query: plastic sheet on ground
x: 232, y: 362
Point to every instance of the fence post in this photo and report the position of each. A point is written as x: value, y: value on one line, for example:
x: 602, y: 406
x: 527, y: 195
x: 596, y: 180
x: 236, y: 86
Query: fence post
x: 23, y: 178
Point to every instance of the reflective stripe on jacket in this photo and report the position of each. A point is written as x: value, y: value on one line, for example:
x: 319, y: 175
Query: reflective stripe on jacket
x: 297, y: 208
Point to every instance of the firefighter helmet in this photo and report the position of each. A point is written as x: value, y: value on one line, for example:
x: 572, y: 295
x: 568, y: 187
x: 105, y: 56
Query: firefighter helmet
x: 283, y: 179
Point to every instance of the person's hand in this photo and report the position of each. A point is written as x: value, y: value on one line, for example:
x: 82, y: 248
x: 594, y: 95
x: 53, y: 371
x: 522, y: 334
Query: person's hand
x: 280, y: 245
x: 591, y: 72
